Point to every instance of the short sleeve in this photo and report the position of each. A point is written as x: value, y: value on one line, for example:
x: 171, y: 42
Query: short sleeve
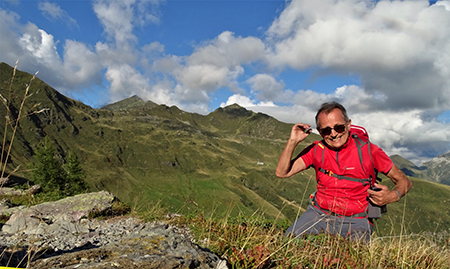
x: 381, y: 161
x: 307, y: 154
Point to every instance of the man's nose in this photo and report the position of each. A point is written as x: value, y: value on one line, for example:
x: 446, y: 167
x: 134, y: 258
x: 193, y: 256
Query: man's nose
x: 334, y: 133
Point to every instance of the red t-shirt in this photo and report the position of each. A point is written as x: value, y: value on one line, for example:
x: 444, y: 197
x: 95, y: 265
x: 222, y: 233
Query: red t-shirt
x: 343, y: 196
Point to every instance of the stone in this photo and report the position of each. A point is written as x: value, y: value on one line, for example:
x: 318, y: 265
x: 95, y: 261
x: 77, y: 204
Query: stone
x: 71, y: 241
x: 70, y: 209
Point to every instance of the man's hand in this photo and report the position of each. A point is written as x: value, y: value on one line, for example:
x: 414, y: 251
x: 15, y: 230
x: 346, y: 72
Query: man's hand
x: 299, y: 132
x: 383, y: 196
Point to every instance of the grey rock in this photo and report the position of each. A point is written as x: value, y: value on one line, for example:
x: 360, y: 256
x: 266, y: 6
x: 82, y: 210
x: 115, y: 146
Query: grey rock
x: 121, y: 242
x: 70, y: 209
x: 8, y: 211
x: 11, y: 191
x: 5, y: 204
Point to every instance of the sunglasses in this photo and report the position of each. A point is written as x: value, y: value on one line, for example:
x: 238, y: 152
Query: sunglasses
x: 338, y: 128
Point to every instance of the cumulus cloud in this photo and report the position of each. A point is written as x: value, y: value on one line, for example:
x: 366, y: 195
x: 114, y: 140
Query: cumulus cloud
x: 213, y: 65
x: 120, y: 17
x: 53, y: 12
x: 36, y: 50
x: 396, y: 48
x: 219, y: 63
x: 81, y: 65
x: 406, y: 133
x: 267, y: 88
x: 39, y: 44
x: 126, y: 81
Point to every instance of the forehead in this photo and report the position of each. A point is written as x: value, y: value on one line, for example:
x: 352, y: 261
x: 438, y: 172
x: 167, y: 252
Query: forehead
x: 331, y: 119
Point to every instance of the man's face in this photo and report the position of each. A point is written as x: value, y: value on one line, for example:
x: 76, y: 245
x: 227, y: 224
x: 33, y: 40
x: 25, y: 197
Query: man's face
x: 334, y: 120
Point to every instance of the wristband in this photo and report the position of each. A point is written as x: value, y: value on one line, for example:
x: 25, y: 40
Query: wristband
x: 399, y: 195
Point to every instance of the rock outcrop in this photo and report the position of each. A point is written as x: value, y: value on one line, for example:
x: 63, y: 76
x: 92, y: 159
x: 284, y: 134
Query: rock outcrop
x: 58, y: 235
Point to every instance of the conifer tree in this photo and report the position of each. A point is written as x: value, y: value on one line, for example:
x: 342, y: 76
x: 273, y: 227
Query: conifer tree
x: 46, y: 169
x: 53, y: 176
x: 74, y: 175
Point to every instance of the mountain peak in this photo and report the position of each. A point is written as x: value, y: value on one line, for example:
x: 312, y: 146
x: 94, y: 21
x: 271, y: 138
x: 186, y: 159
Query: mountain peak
x: 135, y: 97
x: 233, y: 106
x: 234, y: 110
x: 129, y: 103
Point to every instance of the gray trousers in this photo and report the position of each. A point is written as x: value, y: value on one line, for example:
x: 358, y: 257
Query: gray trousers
x: 314, y: 221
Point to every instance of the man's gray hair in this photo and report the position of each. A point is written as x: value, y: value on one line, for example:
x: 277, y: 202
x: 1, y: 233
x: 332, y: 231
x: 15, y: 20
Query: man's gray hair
x: 327, y: 108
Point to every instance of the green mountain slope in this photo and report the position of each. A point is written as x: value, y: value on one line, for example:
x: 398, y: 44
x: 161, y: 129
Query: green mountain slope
x: 436, y: 170
x: 221, y: 163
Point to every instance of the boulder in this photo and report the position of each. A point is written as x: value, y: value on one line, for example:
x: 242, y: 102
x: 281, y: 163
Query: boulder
x: 11, y: 191
x: 151, y: 246
x: 39, y: 218
x: 56, y: 235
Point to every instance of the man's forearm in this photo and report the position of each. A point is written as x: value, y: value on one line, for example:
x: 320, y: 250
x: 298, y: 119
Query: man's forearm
x: 285, y: 162
x: 402, y: 183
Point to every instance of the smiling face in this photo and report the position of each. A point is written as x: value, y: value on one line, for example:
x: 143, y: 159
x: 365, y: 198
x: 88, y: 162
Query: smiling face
x: 333, y: 119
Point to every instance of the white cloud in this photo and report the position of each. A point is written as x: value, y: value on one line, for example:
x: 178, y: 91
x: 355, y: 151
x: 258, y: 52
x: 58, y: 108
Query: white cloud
x: 267, y: 88
x: 36, y: 50
x: 39, y: 44
x: 206, y: 77
x: 126, y: 81
x: 152, y: 47
x: 399, y: 49
x: 228, y: 51
x: 53, y: 12
x: 219, y: 63
x: 405, y: 133
x: 116, y: 17
x: 120, y: 17
x: 215, y: 64
x: 241, y: 100
x: 81, y: 65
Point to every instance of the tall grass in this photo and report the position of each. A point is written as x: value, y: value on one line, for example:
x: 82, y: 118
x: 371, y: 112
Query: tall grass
x: 253, y: 242
x: 16, y: 255
x: 12, y: 123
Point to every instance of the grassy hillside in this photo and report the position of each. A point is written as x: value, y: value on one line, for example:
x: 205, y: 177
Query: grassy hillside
x: 223, y: 162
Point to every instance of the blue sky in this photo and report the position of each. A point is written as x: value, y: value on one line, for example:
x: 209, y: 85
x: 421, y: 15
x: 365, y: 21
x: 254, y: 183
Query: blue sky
x: 386, y: 61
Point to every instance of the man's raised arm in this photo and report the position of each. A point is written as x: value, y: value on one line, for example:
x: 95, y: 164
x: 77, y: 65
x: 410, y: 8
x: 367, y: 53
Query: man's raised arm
x: 286, y: 165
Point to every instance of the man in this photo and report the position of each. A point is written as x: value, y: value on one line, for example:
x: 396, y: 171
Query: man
x: 344, y: 176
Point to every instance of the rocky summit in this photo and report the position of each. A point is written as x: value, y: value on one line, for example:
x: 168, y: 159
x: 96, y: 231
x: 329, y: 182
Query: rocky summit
x: 55, y: 235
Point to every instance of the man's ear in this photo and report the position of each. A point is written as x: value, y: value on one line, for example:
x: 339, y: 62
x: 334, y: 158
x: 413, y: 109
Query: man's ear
x: 349, y: 122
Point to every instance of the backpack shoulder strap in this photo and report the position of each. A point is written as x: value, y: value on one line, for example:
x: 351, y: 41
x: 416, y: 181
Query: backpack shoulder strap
x: 359, y: 144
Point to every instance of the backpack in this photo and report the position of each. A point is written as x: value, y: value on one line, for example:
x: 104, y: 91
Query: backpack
x: 361, y: 137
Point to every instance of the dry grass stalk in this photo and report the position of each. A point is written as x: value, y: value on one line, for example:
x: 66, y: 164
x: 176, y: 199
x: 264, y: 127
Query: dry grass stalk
x: 5, y: 155
x: 14, y: 123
